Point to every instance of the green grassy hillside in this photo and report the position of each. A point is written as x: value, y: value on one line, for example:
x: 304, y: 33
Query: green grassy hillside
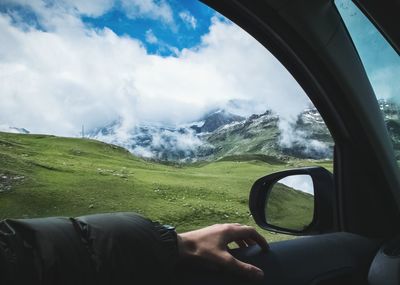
x: 52, y: 176
x: 255, y: 136
x: 289, y: 208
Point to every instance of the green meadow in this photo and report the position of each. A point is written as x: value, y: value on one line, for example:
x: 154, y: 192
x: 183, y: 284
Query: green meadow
x: 44, y: 175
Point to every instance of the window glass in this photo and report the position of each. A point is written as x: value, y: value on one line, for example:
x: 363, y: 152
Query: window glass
x: 381, y: 63
x: 169, y: 110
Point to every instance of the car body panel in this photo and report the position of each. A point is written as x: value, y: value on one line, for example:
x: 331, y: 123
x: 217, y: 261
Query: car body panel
x: 310, y: 39
x: 325, y: 259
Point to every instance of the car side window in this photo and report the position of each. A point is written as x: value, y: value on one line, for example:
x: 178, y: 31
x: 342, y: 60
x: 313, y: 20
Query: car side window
x: 168, y: 110
x: 382, y: 65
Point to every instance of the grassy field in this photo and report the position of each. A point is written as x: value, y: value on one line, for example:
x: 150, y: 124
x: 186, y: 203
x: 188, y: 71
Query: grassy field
x: 52, y: 176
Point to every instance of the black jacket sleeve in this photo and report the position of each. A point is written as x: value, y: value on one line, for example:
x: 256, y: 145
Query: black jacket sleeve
x: 118, y: 248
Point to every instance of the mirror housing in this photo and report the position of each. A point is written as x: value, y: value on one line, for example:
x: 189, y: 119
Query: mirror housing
x: 324, y: 220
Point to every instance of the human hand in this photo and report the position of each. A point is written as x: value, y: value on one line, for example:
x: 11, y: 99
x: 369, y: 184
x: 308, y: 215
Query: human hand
x: 211, y: 244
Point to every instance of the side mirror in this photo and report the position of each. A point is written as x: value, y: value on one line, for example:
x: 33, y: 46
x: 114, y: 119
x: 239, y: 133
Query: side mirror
x: 297, y: 202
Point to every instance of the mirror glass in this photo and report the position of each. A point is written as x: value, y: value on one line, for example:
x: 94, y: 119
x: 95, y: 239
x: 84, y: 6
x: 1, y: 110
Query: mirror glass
x: 290, y: 203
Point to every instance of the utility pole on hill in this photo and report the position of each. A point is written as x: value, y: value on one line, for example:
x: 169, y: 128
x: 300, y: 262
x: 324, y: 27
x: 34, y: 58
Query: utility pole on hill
x: 83, y: 131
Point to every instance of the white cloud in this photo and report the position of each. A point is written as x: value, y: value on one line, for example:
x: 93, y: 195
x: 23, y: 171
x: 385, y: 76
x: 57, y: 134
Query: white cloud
x: 162, y: 46
x: 245, y: 70
x: 292, y: 138
x: 156, y: 10
x: 151, y: 141
x: 53, y: 82
x: 49, y: 13
x: 92, y: 8
x: 54, y: 14
x: 189, y: 19
x: 150, y: 37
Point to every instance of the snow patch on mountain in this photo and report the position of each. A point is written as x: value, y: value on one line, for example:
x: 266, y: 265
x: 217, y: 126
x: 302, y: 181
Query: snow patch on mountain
x: 222, y: 133
x: 152, y: 141
x: 15, y: 130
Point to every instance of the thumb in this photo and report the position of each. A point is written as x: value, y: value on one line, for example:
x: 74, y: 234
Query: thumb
x: 243, y: 268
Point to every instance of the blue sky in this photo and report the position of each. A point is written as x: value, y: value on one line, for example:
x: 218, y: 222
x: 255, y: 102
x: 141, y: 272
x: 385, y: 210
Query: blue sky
x: 182, y: 34
x: 381, y: 62
x: 162, y: 35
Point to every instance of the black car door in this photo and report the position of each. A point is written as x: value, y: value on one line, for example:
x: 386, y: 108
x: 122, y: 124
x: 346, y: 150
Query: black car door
x: 310, y: 39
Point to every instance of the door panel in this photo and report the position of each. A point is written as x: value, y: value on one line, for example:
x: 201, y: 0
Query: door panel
x: 324, y: 259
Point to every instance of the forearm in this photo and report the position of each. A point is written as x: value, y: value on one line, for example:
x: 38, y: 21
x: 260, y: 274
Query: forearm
x: 97, y: 249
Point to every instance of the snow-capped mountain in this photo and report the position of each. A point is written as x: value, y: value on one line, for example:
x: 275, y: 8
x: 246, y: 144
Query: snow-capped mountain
x: 152, y: 141
x: 220, y: 134
x: 268, y: 134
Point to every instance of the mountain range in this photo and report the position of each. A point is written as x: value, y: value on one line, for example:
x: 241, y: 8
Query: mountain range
x: 222, y: 135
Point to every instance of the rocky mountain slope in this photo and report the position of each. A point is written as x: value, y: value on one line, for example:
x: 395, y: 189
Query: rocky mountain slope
x: 391, y: 111
x: 222, y: 134
x: 215, y: 120
x: 267, y: 134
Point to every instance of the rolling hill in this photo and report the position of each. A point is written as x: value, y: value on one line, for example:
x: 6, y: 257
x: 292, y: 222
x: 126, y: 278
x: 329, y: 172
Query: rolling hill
x: 54, y: 176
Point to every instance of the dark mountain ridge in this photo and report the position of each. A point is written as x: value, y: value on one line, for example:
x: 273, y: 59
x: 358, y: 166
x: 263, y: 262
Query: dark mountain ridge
x: 216, y: 120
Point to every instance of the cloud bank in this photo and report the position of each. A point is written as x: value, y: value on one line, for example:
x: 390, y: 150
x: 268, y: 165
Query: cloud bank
x: 56, y: 79
x: 157, y: 10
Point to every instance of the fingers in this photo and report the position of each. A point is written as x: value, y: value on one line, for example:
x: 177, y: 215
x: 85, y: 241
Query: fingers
x: 211, y: 244
x: 245, y: 233
x: 242, y: 268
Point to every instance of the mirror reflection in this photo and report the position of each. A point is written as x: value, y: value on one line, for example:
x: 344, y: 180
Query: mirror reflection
x: 290, y: 203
